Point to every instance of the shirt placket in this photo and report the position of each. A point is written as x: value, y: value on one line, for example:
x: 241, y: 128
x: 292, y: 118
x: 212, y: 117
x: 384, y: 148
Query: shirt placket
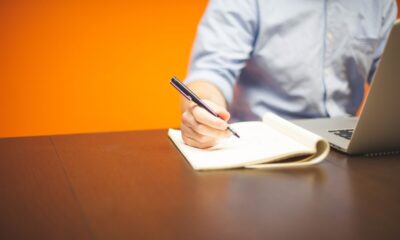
x: 328, y: 71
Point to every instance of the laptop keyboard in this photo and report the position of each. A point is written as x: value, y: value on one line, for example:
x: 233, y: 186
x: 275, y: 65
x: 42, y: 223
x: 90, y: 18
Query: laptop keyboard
x: 345, y: 133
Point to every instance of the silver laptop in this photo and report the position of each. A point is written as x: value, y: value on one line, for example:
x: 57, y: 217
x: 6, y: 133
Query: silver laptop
x: 377, y: 130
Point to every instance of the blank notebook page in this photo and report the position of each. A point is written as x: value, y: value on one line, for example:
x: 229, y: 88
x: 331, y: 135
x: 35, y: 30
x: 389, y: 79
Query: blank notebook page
x: 257, y: 142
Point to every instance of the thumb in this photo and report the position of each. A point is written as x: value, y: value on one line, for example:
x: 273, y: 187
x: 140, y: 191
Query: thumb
x: 219, y: 110
x: 224, y: 114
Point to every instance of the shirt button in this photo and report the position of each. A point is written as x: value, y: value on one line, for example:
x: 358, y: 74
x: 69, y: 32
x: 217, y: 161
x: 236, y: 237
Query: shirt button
x: 327, y: 71
x: 329, y: 35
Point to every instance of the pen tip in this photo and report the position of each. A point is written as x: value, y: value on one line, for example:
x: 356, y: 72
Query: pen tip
x: 233, y: 132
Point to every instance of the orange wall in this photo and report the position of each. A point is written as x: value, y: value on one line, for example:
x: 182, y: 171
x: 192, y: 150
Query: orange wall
x: 88, y: 66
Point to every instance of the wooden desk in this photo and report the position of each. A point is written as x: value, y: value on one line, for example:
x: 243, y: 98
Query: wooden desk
x: 136, y: 185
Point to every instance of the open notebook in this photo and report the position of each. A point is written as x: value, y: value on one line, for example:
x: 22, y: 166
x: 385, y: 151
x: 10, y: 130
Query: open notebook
x: 272, y: 143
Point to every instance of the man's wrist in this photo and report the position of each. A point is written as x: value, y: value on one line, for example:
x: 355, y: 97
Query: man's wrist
x: 208, y: 91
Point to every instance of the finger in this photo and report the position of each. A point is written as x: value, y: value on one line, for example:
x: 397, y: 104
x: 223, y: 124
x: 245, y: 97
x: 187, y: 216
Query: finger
x: 221, y: 111
x: 200, y: 129
x: 204, y: 117
x: 196, y: 139
x: 193, y: 143
x: 210, y: 132
x: 190, y: 133
x: 225, y: 115
x: 188, y: 119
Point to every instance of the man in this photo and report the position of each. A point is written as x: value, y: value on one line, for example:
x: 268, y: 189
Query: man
x: 297, y: 58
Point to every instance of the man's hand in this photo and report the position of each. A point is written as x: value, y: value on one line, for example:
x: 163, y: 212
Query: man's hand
x: 200, y: 128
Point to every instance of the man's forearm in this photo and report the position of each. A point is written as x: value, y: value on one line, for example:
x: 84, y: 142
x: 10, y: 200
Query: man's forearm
x: 205, y: 90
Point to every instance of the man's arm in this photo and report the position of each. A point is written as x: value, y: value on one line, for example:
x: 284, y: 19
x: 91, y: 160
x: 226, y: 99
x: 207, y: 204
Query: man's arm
x: 224, y: 42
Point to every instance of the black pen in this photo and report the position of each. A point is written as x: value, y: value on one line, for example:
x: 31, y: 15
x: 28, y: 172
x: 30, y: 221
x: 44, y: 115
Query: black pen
x: 191, y: 96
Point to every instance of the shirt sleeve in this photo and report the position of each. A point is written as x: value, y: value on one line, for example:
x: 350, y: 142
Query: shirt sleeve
x: 389, y: 18
x: 224, y: 42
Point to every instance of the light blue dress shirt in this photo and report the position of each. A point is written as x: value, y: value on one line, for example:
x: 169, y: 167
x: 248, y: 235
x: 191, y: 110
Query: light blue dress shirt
x: 297, y: 58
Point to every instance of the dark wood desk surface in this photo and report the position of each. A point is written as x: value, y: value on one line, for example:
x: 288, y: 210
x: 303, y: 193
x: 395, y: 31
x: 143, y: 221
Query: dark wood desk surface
x: 136, y: 185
